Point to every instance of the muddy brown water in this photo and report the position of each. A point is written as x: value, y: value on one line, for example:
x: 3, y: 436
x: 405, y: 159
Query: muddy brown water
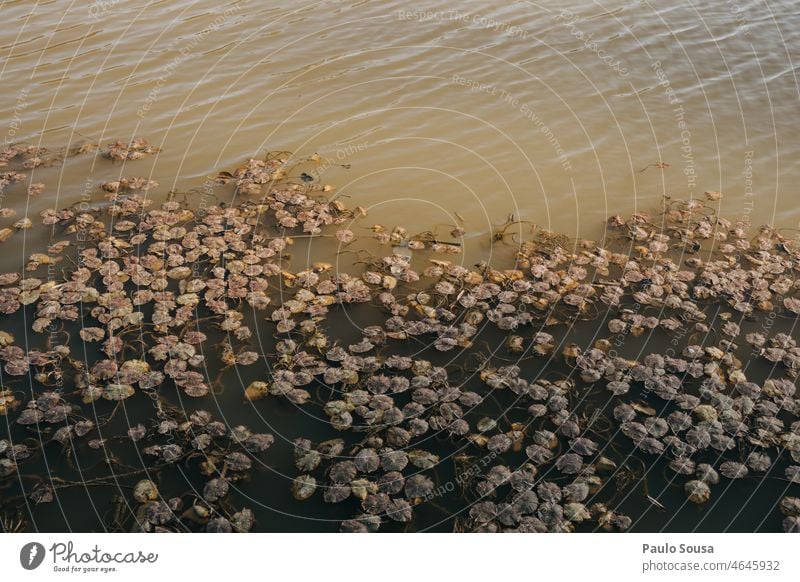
x: 547, y: 109
x: 429, y: 116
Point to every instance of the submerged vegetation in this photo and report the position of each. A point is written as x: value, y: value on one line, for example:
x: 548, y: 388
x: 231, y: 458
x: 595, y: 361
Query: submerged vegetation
x: 533, y: 396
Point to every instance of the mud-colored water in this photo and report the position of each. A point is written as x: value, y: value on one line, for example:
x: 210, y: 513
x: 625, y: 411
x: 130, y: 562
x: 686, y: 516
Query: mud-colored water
x: 483, y: 109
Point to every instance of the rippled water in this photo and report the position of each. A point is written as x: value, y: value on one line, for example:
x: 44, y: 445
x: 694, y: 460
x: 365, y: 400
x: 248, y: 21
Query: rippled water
x: 425, y: 114
x: 483, y: 110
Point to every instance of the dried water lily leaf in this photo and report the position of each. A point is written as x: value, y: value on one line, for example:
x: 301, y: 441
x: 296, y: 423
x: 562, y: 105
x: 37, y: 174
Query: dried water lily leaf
x: 569, y: 464
x: 215, y: 490
x: 121, y: 150
x: 363, y: 489
x: 238, y: 461
x: 345, y: 236
x: 400, y: 510
x: 145, y: 491
x: 343, y: 472
x: 30, y: 416
x: 42, y: 494
x: 90, y: 334
x: 258, y: 443
x: 367, y: 461
x: 336, y: 493
x: 792, y: 304
x: 84, y: 427
x: 137, y: 433
x: 422, y: 459
x: 243, y: 521
x: 791, y: 524
x: 7, y: 467
x: 697, y: 492
x: 418, y: 486
x: 118, y: 391
x: 733, y: 470
x: 196, y: 390
x: 790, y: 506
x: 8, y: 402
x: 304, y: 487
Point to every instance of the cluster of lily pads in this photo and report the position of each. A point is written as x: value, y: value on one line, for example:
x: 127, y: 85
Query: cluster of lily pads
x: 222, y: 454
x: 419, y: 388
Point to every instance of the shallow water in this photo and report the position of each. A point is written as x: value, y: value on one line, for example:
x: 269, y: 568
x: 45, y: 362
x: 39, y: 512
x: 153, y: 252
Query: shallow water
x: 480, y: 110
